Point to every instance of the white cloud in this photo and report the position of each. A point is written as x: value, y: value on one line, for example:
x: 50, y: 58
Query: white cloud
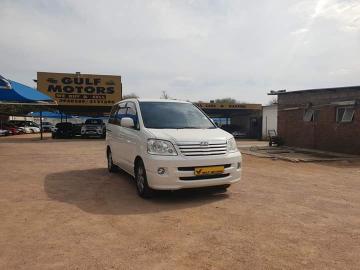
x: 300, y: 31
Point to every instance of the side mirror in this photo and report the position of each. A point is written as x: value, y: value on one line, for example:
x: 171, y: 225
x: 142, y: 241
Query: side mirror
x: 127, y: 122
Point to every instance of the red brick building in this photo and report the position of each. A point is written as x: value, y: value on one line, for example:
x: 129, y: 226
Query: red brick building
x: 325, y: 119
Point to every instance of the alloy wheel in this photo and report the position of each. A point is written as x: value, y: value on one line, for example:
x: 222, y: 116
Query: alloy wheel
x: 140, y: 179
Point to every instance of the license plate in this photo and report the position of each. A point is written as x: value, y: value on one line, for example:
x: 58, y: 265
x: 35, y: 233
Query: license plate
x: 209, y: 170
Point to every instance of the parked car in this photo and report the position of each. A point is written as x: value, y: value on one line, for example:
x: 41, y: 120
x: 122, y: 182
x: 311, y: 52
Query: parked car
x: 13, y: 130
x: 93, y: 127
x: 63, y: 130
x: 170, y: 145
x: 77, y: 129
x: 239, y: 134
x: 47, y: 126
x: 4, y: 132
x: 27, y: 126
x: 235, y: 130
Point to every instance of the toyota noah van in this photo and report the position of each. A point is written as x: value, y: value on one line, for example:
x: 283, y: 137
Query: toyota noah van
x: 170, y: 145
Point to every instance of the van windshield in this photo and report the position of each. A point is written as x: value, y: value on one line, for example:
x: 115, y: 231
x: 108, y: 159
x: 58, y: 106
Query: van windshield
x: 173, y: 115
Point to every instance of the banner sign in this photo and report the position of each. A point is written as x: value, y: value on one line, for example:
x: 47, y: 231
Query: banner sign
x: 80, y: 89
x: 229, y: 106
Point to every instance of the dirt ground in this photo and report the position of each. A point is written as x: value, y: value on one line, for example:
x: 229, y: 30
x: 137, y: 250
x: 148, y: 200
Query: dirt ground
x: 61, y: 209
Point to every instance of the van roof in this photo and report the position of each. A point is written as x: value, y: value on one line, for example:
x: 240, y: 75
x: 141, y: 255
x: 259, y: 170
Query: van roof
x: 155, y: 100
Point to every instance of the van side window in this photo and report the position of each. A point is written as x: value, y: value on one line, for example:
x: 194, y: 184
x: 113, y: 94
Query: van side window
x: 112, y: 114
x: 132, y: 113
x: 121, y: 113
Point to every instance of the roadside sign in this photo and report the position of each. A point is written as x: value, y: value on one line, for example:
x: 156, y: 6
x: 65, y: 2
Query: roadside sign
x: 80, y: 89
x: 229, y: 106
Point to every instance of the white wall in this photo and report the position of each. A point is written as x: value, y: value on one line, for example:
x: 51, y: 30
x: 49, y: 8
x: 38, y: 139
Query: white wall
x: 269, y: 119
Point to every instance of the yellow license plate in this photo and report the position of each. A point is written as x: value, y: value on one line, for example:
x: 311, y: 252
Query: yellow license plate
x: 209, y: 170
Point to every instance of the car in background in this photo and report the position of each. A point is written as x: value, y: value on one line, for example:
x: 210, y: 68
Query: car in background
x: 239, y: 134
x: 77, y: 129
x: 13, y: 130
x: 26, y: 126
x: 4, y: 132
x: 47, y: 126
x: 235, y: 130
x: 63, y: 130
x: 93, y: 127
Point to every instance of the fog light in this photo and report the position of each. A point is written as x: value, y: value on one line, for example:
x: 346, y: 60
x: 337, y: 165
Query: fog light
x: 161, y: 170
x: 238, y: 165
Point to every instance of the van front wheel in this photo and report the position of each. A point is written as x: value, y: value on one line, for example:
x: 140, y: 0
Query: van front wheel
x: 142, y: 186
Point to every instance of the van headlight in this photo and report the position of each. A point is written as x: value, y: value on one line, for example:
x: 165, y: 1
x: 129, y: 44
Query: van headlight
x: 231, y: 145
x: 160, y: 147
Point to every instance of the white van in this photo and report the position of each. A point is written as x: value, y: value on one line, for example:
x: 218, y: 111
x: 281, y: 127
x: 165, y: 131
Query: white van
x: 169, y: 145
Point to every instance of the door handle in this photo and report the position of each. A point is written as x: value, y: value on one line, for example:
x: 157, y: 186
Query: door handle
x: 108, y: 130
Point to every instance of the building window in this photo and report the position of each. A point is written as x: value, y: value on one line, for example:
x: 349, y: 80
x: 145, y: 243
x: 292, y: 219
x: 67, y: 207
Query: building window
x: 345, y: 114
x: 221, y: 121
x: 311, y: 115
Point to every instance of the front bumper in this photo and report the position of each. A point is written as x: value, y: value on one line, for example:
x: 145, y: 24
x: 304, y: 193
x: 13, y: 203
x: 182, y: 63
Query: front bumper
x: 92, y: 132
x: 179, y: 172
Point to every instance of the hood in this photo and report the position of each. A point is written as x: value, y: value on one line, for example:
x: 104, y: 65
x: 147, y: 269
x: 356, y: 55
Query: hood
x: 190, y: 135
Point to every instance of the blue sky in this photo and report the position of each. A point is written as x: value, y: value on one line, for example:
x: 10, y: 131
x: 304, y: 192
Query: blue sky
x: 197, y: 50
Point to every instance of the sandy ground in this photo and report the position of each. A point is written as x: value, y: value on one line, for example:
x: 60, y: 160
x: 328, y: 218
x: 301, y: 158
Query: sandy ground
x: 61, y: 209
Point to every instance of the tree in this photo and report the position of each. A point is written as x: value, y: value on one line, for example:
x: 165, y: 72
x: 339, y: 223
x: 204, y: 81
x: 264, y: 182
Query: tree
x: 131, y: 95
x: 227, y: 100
x: 164, y: 95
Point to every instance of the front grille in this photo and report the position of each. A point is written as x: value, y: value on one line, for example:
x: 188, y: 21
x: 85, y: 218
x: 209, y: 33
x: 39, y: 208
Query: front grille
x: 196, y: 149
x: 91, y: 127
x: 203, y: 177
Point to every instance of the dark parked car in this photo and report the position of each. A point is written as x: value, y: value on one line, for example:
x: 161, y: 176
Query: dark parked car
x: 235, y: 130
x: 63, y: 130
x: 77, y: 129
x: 47, y: 126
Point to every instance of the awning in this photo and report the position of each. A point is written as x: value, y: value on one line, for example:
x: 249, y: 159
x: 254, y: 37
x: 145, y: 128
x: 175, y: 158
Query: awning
x: 56, y: 114
x: 17, y: 92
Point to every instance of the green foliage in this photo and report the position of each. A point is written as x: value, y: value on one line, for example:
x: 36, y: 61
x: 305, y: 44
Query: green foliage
x: 227, y: 100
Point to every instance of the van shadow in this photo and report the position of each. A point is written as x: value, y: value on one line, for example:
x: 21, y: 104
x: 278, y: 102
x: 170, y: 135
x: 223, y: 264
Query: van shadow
x: 99, y: 192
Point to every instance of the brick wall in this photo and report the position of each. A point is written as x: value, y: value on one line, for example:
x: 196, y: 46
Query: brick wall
x: 325, y: 133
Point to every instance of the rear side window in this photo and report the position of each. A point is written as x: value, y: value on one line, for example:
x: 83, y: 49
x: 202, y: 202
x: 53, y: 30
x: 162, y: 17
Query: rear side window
x: 120, y: 113
x: 113, y: 113
x: 132, y: 113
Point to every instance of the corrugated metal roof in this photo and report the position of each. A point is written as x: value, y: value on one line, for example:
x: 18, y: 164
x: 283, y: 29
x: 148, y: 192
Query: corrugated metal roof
x: 330, y: 89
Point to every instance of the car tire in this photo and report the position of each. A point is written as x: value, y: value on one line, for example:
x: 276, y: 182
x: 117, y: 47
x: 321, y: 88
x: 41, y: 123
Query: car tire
x: 110, y: 165
x: 142, y: 186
